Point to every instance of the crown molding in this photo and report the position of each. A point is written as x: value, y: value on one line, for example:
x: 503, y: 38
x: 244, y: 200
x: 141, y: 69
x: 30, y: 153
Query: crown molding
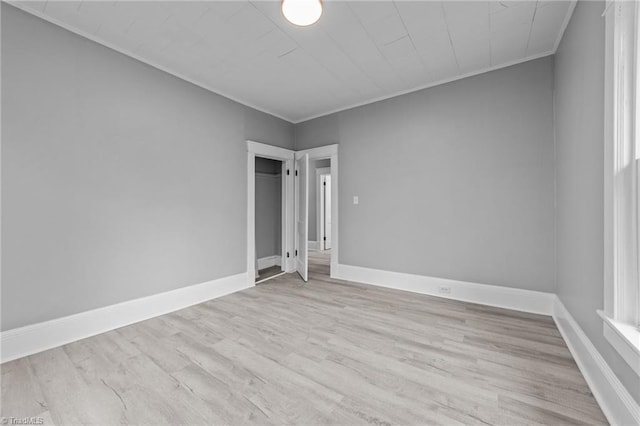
x: 137, y: 57
x: 181, y: 76
x: 427, y: 86
x: 565, y: 23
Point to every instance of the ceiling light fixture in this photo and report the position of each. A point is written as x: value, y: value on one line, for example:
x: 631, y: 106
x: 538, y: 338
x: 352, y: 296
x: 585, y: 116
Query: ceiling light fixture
x: 302, y: 12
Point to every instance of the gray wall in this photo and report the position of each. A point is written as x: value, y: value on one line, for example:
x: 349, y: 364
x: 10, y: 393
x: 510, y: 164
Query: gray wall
x: 265, y: 128
x: 579, y: 82
x: 313, y: 186
x: 317, y: 132
x: 454, y: 181
x: 118, y: 180
x: 268, y: 207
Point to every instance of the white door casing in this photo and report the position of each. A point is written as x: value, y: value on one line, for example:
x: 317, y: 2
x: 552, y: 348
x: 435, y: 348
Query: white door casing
x: 288, y: 229
x: 256, y: 149
x: 330, y: 152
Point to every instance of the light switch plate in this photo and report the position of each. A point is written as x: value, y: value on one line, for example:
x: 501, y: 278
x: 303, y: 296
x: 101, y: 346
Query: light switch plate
x: 355, y: 199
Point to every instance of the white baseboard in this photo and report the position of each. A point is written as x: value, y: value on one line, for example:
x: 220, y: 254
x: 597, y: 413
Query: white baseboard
x: 314, y: 245
x: 269, y: 261
x: 503, y: 297
x: 616, y: 402
x: 23, y: 341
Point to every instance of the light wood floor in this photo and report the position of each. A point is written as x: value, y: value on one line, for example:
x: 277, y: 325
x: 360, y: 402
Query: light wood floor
x: 328, y: 352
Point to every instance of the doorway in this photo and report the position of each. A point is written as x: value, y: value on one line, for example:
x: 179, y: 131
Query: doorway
x: 269, y: 191
x: 322, y: 241
x: 320, y: 217
x: 297, y: 183
x: 284, y: 160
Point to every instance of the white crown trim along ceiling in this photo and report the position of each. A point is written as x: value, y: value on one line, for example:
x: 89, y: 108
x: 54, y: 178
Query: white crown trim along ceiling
x: 249, y: 104
x: 429, y: 85
x: 136, y: 57
x: 565, y: 24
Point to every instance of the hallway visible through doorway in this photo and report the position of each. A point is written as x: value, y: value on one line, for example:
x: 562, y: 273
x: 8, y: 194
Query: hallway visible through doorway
x: 319, y: 263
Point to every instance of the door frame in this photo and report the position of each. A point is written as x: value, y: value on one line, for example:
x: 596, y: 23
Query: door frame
x: 323, y: 171
x: 321, y: 153
x: 257, y: 149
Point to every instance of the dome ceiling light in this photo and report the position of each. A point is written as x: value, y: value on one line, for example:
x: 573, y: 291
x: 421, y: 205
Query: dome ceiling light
x: 302, y: 12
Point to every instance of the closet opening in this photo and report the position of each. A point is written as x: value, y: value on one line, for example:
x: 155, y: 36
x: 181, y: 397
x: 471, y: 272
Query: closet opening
x: 269, y: 219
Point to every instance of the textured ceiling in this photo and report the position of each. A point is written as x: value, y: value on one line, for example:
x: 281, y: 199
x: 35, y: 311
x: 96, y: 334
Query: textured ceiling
x: 357, y: 53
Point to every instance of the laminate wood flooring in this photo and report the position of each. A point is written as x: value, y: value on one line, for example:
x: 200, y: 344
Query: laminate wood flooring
x: 325, y: 352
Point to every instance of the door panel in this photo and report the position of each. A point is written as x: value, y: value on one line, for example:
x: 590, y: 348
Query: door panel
x: 302, y: 215
x: 327, y: 212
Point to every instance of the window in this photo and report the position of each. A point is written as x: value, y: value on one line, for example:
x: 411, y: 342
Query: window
x: 621, y: 313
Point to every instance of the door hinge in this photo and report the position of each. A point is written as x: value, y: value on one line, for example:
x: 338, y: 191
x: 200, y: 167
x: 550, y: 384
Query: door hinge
x: 324, y: 183
x: 287, y: 254
x: 296, y: 173
x: 296, y: 252
x: 287, y: 172
x: 325, y: 238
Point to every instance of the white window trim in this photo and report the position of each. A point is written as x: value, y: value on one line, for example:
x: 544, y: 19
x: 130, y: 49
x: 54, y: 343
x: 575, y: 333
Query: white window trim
x: 625, y: 338
x: 620, y: 314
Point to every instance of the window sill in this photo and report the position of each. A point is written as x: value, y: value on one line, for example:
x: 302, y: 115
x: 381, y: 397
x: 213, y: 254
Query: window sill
x: 624, y: 338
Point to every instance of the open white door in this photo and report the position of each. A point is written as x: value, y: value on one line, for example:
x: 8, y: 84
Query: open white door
x: 302, y: 215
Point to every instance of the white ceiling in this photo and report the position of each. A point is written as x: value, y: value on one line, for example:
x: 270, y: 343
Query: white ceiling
x: 357, y: 53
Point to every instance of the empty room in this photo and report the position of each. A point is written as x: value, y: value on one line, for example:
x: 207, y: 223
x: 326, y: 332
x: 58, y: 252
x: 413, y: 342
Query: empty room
x: 305, y: 212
